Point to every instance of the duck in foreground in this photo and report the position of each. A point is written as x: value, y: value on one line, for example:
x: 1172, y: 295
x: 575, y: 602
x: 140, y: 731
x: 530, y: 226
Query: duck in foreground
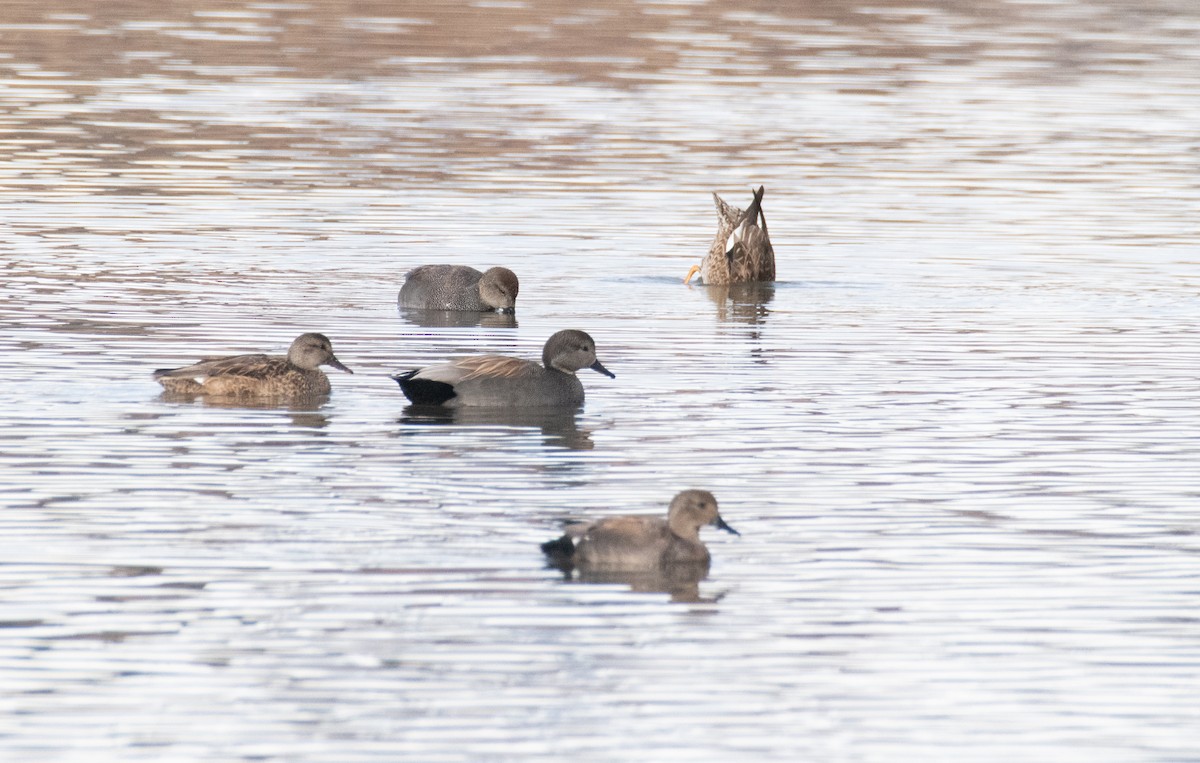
x: 741, y: 251
x: 641, y: 543
x: 458, y: 287
x: 258, y: 375
x: 498, y: 380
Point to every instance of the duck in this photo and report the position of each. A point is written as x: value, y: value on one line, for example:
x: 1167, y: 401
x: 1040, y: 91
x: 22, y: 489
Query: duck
x: 295, y: 375
x: 458, y: 287
x: 641, y: 543
x: 741, y: 251
x: 499, y: 380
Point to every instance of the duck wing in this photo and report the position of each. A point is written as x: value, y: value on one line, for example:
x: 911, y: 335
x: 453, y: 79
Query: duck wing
x: 253, y: 366
x: 622, y: 532
x: 475, y: 367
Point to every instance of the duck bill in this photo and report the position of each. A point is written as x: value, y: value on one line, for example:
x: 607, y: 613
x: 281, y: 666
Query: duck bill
x: 337, y: 364
x: 599, y: 368
x: 720, y: 525
x: 506, y: 310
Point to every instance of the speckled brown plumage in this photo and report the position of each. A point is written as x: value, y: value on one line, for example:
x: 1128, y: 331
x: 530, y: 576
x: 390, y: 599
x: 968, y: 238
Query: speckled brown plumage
x: 741, y: 252
x: 258, y: 375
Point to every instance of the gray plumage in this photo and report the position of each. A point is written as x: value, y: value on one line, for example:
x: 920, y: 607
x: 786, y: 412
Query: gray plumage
x: 499, y: 380
x: 458, y: 287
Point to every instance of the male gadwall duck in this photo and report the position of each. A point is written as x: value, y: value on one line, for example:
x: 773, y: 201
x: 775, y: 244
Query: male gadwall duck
x: 458, y: 287
x: 498, y: 380
x: 258, y: 375
x: 641, y: 543
x: 742, y: 250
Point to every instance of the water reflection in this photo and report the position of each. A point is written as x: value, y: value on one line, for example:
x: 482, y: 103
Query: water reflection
x: 458, y: 318
x: 681, y: 581
x: 302, y: 410
x: 559, y: 427
x: 741, y: 302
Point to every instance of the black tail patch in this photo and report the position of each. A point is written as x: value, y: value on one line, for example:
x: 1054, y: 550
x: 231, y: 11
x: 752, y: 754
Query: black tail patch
x: 424, y: 391
x: 559, y: 550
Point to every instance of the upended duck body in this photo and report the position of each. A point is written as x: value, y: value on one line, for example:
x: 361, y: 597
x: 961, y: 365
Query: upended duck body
x: 741, y: 251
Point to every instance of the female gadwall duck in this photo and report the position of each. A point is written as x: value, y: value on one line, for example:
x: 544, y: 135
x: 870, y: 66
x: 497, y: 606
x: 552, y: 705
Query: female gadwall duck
x: 458, y: 287
x: 498, y: 380
x: 258, y: 375
x: 641, y: 543
x: 742, y: 250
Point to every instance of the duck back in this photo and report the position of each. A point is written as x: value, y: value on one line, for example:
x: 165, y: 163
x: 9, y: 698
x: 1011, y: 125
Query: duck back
x: 442, y: 287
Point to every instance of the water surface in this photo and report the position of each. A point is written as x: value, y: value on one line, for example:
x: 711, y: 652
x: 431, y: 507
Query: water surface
x: 958, y: 435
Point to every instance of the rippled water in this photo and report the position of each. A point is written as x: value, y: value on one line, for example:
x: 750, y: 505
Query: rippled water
x: 958, y: 436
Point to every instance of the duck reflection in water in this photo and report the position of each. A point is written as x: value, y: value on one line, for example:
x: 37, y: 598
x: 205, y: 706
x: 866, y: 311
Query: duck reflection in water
x: 745, y: 303
x: 558, y: 426
x: 647, y: 553
x: 303, y: 411
x: 680, y: 581
x: 440, y: 319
